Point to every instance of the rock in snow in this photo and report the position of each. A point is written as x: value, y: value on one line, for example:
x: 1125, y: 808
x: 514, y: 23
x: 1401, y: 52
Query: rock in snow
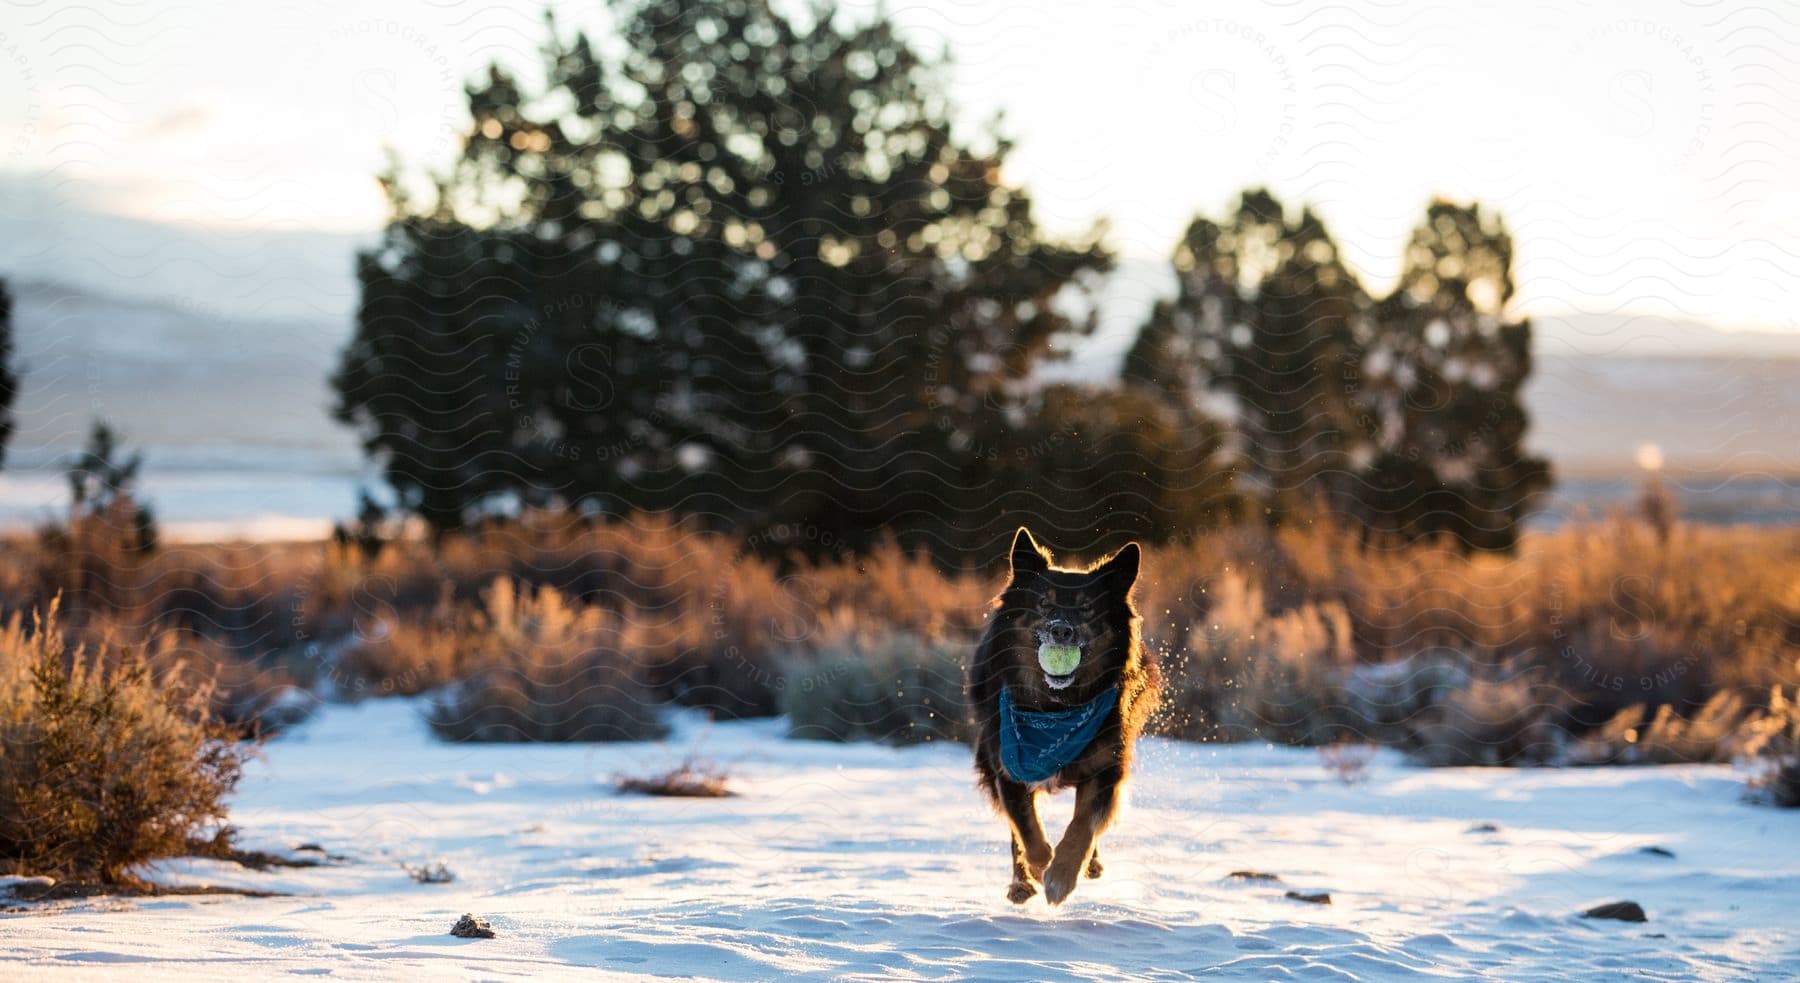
x: 470, y: 927
x: 1623, y: 911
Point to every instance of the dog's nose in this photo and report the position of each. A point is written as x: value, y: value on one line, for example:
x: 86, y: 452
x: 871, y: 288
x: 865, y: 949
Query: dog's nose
x: 1061, y: 632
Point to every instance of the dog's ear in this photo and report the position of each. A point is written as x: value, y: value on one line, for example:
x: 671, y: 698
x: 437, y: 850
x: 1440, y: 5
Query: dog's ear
x: 1027, y: 556
x: 1121, y: 568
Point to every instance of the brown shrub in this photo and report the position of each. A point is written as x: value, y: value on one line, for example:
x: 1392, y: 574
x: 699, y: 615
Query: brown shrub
x: 544, y: 669
x: 1253, y: 674
x: 1638, y: 736
x: 853, y: 683
x: 692, y: 779
x: 708, y: 620
x: 1509, y: 717
x: 1773, y: 738
x: 403, y: 657
x: 1614, y: 614
x: 1348, y: 760
x: 254, y: 698
x: 1611, y: 613
x: 436, y: 872
x: 102, y: 766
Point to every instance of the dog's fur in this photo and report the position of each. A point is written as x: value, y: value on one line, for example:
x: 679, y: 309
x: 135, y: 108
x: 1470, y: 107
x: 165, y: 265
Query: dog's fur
x: 1094, y: 606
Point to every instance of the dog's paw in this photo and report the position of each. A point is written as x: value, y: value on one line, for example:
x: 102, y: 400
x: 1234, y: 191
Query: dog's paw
x: 1020, y: 892
x: 1095, y: 868
x: 1038, y: 858
x: 1059, y: 881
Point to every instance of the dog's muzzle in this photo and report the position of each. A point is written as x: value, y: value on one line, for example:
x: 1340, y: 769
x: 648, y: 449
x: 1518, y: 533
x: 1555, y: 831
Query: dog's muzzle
x: 1058, y: 654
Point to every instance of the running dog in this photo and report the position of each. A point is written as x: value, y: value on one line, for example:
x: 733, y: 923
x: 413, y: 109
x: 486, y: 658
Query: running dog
x: 1060, y: 688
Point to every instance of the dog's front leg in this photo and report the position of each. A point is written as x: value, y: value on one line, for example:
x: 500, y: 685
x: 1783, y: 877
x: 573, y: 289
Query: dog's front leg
x: 1030, y: 847
x: 1024, y: 886
x: 1095, y: 801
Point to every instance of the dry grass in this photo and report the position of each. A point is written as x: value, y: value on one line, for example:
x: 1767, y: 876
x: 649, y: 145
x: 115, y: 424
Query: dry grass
x: 254, y: 698
x: 1773, y: 739
x: 543, y: 669
x: 432, y: 873
x: 102, y: 764
x: 391, y: 656
x: 1251, y: 673
x: 1511, y: 716
x: 1602, y: 616
x: 1660, y: 737
x: 692, y: 779
x: 1306, y: 634
x: 1348, y: 760
x: 1617, y: 641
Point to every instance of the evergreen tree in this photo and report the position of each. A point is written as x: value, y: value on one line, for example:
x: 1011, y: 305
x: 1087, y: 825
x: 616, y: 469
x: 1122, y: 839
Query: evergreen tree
x: 742, y: 270
x: 1404, y: 413
x: 1266, y: 315
x: 9, y: 383
x: 427, y: 372
x: 1444, y: 372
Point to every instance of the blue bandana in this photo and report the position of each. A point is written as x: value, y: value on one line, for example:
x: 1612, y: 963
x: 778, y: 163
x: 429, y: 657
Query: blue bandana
x: 1036, y: 745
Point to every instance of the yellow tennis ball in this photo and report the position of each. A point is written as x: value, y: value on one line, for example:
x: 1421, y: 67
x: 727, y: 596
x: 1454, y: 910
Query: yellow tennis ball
x: 1059, y: 660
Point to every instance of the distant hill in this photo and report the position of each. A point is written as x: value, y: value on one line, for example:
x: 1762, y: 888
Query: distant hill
x: 1733, y: 414
x: 204, y: 389
x: 1638, y: 336
x: 48, y: 234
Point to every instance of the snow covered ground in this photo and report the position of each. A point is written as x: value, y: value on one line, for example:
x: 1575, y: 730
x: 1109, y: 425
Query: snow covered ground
x: 867, y: 862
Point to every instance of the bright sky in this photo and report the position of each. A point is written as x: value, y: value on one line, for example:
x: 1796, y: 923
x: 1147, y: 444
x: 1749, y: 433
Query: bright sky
x: 1647, y: 155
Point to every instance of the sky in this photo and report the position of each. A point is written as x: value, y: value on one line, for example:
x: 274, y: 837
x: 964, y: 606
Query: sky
x: 1646, y: 155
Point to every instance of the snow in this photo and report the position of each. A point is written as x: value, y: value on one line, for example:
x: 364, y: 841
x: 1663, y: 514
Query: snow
x: 866, y: 862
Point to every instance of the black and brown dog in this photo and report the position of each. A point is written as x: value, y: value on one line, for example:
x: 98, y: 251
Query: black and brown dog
x: 1043, y: 725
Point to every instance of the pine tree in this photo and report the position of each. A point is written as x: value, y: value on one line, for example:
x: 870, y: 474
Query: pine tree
x: 9, y: 383
x: 744, y: 270
x: 427, y: 373
x: 1444, y: 373
x: 1266, y: 316
x: 1404, y: 413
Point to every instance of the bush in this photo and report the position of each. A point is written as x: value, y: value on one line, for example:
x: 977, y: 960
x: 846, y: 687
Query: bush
x: 1774, y: 738
x: 1348, y: 760
x: 547, y: 670
x: 436, y: 872
x: 1302, y: 633
x: 1710, y: 736
x: 251, y: 697
x: 866, y: 684
x: 102, y: 766
x: 1253, y: 675
x: 1388, y: 701
x: 108, y: 528
x: 406, y: 657
x: 692, y: 779
x: 1508, y: 717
